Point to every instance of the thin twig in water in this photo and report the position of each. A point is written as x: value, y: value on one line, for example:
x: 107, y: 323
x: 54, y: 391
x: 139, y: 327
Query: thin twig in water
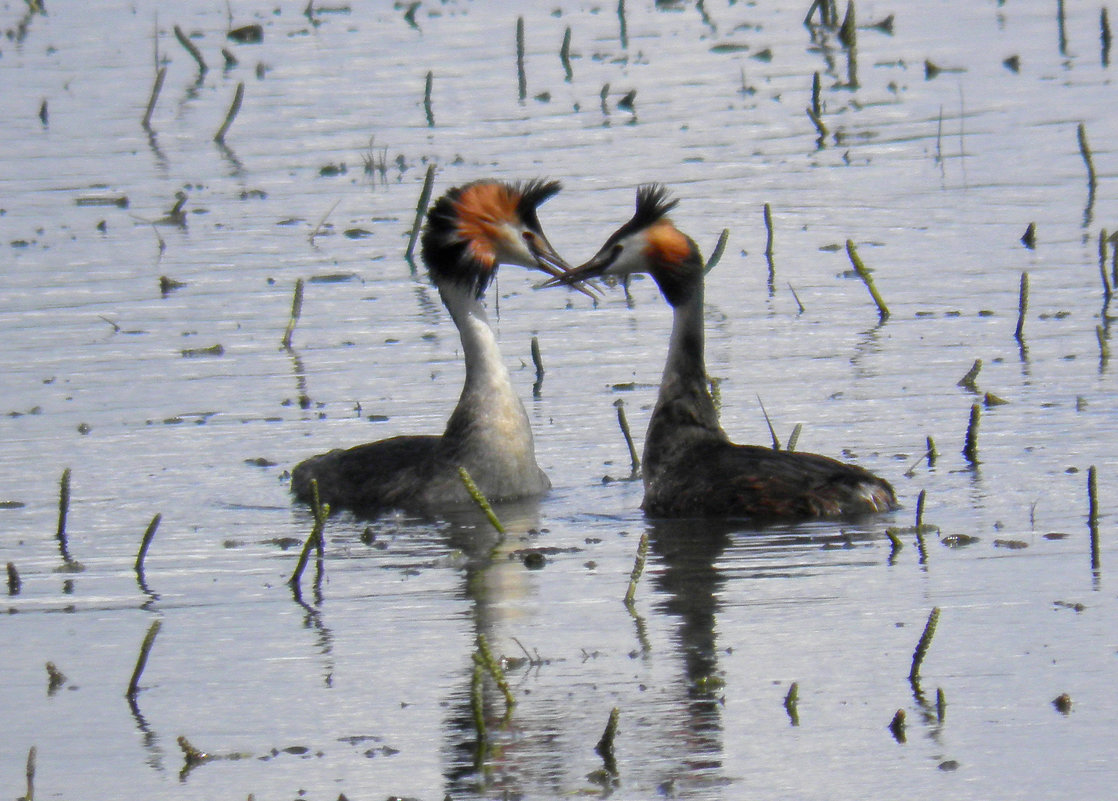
x: 480, y: 499
x: 427, y: 107
x: 867, y: 279
x: 521, y: 78
x: 156, y: 88
x: 719, y: 249
x: 768, y: 422
x: 184, y: 40
x: 922, y: 646
x: 1093, y: 515
x: 565, y: 55
x: 296, y: 310
x: 321, y: 511
x: 322, y: 221
x: 638, y: 569
x: 623, y: 421
x: 970, y: 446
x: 494, y: 669
x: 234, y: 107
x: 1022, y: 307
x: 420, y: 210
x: 142, y: 659
x: 145, y: 543
x: 604, y: 748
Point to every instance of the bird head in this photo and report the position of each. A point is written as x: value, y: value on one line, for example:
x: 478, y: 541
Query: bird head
x: 648, y: 243
x: 474, y: 228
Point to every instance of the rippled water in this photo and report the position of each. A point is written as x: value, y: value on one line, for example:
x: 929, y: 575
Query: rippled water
x: 363, y: 689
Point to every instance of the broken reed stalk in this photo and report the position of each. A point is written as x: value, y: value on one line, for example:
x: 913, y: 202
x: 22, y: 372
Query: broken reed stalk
x: 921, y: 547
x: 296, y: 310
x: 1061, y: 27
x: 420, y: 210
x: 480, y: 499
x: 623, y: 421
x: 428, y: 109
x: 922, y: 646
x: 867, y: 279
x: 485, y: 656
x: 790, y: 701
x: 604, y: 748
x: 63, y: 511
x: 848, y: 31
x: 828, y: 14
x: 320, y: 511
x: 896, y: 726
x: 1102, y: 266
x: 1085, y: 151
x: 814, y: 112
x: 55, y: 678
x: 145, y: 543
x: 234, y: 107
x: 794, y: 437
x: 796, y: 297
x: 184, y: 40
x: 970, y: 446
x: 895, y: 543
x: 191, y: 755
x: 537, y: 359
x: 521, y: 78
x: 142, y: 659
x: 719, y: 249
x: 1093, y: 515
x: 14, y: 581
x: 565, y: 55
x: 156, y: 88
x: 941, y: 706
x: 768, y: 422
x: 1104, y: 348
x: 1022, y: 307
x: 623, y: 28
x: 768, y: 214
x: 32, y: 752
x: 968, y: 381
x: 920, y: 508
x: 477, y: 708
x: 1104, y: 36
x: 322, y: 221
x: 638, y: 569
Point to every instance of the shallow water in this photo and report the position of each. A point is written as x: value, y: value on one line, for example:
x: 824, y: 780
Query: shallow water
x: 363, y: 689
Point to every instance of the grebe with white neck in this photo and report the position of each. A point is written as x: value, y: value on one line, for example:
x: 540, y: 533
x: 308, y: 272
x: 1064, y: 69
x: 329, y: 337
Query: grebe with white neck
x: 469, y: 232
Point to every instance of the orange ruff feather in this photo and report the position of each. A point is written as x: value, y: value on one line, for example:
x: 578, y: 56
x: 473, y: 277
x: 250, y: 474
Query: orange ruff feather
x: 482, y: 209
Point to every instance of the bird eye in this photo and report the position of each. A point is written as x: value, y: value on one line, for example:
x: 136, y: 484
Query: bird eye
x: 529, y: 237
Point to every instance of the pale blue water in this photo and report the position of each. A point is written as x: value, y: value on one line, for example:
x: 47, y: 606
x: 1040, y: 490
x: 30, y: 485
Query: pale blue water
x: 364, y: 691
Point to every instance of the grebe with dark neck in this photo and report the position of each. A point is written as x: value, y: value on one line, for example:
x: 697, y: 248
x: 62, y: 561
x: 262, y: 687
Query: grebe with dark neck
x: 691, y: 469
x: 469, y: 232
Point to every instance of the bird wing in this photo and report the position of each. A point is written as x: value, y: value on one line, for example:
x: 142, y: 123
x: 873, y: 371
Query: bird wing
x: 381, y: 474
x: 722, y: 479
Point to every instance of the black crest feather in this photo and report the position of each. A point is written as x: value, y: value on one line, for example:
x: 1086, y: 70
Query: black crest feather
x: 653, y: 202
x: 532, y: 195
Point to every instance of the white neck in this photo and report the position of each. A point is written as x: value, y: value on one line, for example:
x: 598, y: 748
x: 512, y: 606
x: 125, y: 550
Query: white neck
x: 489, y: 421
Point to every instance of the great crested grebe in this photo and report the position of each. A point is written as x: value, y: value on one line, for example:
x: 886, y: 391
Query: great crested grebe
x: 691, y: 469
x: 470, y: 231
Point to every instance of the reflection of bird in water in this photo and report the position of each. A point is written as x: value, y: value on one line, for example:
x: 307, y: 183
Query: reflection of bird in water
x: 690, y: 466
x: 469, y: 232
